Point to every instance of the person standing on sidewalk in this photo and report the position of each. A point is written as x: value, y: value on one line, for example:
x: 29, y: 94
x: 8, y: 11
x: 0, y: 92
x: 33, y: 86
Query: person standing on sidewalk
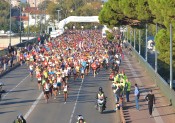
x: 137, y: 94
x: 151, y: 100
x: 128, y: 89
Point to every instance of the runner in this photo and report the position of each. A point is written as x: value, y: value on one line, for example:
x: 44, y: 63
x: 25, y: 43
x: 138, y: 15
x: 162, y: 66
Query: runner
x: 55, y: 89
x: 65, y: 91
x: 46, y: 91
x: 31, y: 69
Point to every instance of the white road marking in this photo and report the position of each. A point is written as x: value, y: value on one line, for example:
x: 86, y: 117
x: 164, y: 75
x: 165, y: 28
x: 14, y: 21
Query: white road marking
x: 14, y: 87
x: 158, y: 119
x: 33, y: 106
x: 70, y: 121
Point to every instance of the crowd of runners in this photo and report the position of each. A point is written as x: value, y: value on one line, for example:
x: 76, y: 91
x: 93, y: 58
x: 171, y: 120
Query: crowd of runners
x: 59, y: 61
x: 73, y: 54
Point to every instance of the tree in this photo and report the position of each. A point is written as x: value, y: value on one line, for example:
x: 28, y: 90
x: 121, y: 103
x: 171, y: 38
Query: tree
x: 5, y: 15
x: 137, y: 13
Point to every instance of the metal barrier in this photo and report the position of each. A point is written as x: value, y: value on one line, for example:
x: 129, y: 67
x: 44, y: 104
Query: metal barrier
x: 159, y: 81
x: 23, y: 44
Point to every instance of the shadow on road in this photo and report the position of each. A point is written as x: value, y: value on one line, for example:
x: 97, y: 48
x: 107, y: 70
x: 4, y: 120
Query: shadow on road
x: 109, y: 111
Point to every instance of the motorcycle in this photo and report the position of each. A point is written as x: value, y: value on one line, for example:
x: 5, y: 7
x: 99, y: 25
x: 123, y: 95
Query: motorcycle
x: 80, y: 119
x: 101, y: 105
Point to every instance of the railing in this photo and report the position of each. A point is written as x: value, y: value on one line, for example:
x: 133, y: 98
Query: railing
x: 4, y: 55
x: 159, y: 81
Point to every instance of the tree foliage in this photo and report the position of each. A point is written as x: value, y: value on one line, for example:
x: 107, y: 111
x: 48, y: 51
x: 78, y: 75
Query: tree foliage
x: 137, y: 13
x: 4, y: 15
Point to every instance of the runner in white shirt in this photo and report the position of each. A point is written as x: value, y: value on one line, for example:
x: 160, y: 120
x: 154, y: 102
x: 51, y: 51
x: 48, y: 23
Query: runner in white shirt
x: 65, y: 90
x: 55, y: 88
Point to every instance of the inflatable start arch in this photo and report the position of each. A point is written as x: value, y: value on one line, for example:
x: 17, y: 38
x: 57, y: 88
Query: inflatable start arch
x: 62, y: 23
x: 69, y: 19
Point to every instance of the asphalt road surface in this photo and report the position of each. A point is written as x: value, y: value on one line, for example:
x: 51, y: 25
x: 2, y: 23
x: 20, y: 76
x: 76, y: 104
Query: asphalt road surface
x: 23, y: 97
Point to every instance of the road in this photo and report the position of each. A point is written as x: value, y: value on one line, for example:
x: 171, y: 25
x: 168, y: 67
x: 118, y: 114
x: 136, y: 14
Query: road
x: 25, y: 98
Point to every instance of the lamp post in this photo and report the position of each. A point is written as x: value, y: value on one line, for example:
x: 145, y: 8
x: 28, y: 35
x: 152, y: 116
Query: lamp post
x: 10, y: 22
x: 156, y: 51
x: 58, y: 15
x: 45, y: 16
x: 35, y: 18
x: 20, y: 19
x: 171, y: 58
x: 139, y: 43
x: 146, y: 50
x: 28, y: 19
x: 134, y: 39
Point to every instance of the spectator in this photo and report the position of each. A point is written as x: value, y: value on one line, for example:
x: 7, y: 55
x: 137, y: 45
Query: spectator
x: 4, y: 64
x: 10, y: 49
x: 151, y: 100
x: 128, y: 89
x: 136, y: 93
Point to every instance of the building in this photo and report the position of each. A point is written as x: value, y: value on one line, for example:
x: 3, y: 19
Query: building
x: 13, y: 2
x: 28, y: 16
x: 32, y: 2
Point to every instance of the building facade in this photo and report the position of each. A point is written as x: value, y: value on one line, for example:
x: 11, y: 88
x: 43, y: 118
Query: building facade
x: 32, y: 2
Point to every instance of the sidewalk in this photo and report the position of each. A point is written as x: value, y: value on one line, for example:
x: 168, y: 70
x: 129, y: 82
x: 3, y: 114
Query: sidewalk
x: 163, y: 113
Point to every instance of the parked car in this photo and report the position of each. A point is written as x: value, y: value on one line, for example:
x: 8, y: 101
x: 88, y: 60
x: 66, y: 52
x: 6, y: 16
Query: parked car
x: 8, y: 33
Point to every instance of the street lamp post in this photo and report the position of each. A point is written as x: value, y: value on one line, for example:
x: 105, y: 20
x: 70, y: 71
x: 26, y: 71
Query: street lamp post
x: 58, y: 15
x: 171, y: 60
x: 139, y: 43
x: 10, y: 22
x: 20, y: 19
x: 28, y: 21
x: 134, y: 39
x: 146, y: 43
x: 156, y: 51
x: 45, y: 17
x: 35, y: 17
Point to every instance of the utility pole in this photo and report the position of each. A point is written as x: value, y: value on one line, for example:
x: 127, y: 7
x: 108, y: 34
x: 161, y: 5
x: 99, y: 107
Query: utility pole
x: 146, y: 43
x: 171, y: 58
x: 10, y: 22
x: 28, y: 18
x: 20, y: 19
x: 156, y: 51
x: 45, y: 17
x: 35, y: 19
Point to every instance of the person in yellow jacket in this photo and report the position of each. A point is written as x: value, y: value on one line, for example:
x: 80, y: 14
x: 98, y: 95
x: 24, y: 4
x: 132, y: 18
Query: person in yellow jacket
x: 116, y: 78
x: 128, y: 89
